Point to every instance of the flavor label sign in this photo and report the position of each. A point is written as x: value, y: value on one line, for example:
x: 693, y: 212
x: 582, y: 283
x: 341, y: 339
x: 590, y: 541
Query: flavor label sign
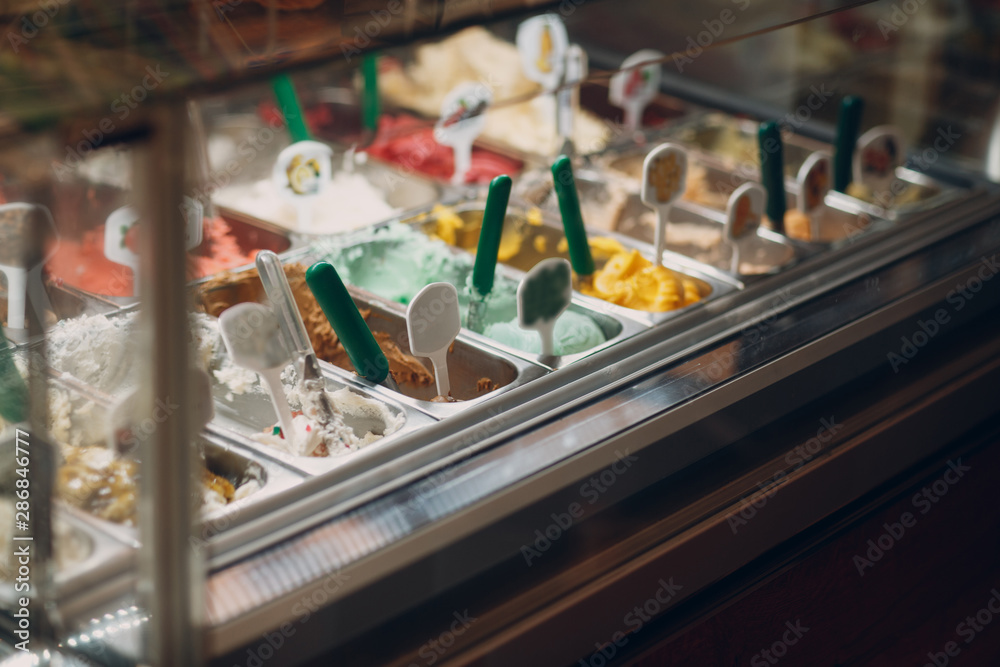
x: 463, y: 117
x: 633, y: 88
x: 744, y: 211
x: 814, y: 180
x: 302, y: 170
x: 542, y: 42
x: 878, y: 153
x: 665, y: 170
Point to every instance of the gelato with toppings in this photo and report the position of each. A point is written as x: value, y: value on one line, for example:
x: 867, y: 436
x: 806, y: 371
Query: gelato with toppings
x: 475, y: 55
x: 628, y: 279
x: 348, y: 202
x: 229, y: 289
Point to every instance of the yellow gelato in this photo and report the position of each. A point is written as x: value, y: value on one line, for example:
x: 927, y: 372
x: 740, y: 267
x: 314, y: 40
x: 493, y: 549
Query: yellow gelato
x: 630, y: 280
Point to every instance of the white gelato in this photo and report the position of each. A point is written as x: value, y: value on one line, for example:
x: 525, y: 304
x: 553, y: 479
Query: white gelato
x: 349, y: 201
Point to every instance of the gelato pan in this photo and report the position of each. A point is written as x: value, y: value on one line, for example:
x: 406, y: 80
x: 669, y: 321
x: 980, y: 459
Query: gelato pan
x: 106, y: 485
x: 81, y: 263
x: 473, y: 373
x: 697, y: 233
x: 100, y: 351
x: 733, y: 142
x: 408, y: 143
x: 398, y: 261
x: 475, y: 55
x: 353, y: 199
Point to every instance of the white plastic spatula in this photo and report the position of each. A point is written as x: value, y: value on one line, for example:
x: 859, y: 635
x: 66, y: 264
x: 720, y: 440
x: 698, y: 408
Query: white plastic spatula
x: 122, y: 437
x: 664, y: 177
x: 743, y: 215
x: 121, y: 241
x: 253, y: 338
x: 463, y: 117
x: 15, y: 221
x: 812, y: 183
x: 432, y: 323
x: 302, y: 173
x: 878, y: 153
x: 543, y: 295
x: 636, y: 85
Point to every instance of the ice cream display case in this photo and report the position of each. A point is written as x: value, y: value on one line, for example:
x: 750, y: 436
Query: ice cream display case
x: 472, y: 325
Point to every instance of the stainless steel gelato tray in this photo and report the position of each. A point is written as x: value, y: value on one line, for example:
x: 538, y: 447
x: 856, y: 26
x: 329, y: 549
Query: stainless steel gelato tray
x: 366, y: 193
x: 476, y: 371
x: 731, y: 143
x: 531, y: 235
x: 376, y: 420
x: 369, y: 261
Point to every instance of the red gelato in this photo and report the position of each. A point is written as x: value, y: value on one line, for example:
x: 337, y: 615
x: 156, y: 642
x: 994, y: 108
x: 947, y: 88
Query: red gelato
x: 408, y: 142
x: 82, y: 264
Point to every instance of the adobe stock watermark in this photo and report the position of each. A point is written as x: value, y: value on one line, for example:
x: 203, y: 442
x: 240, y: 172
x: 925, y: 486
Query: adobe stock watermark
x: 967, y: 630
x: 591, y: 490
x: 767, y: 488
x: 924, y: 500
x: 302, y: 611
x: 779, y: 649
x: 714, y: 29
x: 958, y: 297
x: 121, y: 107
x: 900, y: 13
x: 29, y: 26
x: 633, y: 621
x: 435, y: 648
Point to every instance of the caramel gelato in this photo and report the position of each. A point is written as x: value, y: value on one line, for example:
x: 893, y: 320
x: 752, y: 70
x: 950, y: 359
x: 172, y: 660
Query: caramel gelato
x: 229, y: 289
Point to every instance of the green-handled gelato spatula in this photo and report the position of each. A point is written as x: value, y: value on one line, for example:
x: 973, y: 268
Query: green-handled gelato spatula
x: 487, y: 251
x: 338, y: 306
x: 13, y: 390
x: 569, y: 207
x: 370, y: 108
x: 288, y: 101
x: 772, y: 172
x: 848, y: 128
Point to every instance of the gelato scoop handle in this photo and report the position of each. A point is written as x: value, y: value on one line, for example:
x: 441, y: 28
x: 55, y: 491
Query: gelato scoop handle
x: 338, y: 306
x: 569, y: 208
x: 13, y: 391
x: 272, y: 275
